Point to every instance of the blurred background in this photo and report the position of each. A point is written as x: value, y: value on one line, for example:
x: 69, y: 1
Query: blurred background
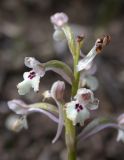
x: 25, y: 30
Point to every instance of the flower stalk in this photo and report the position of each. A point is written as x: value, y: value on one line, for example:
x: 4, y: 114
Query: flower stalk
x: 70, y: 130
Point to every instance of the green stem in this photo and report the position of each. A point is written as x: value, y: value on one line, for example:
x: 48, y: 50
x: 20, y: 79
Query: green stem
x: 70, y: 137
x: 70, y: 130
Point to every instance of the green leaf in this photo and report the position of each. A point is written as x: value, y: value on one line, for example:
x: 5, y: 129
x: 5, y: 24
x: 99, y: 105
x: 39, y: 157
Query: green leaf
x: 60, y: 68
x: 46, y: 106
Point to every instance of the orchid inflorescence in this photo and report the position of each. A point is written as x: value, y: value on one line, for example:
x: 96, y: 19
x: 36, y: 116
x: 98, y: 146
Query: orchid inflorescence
x: 82, y: 99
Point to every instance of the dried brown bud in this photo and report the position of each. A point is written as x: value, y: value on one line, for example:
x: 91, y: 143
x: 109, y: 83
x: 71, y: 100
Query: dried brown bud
x: 100, y: 43
x: 80, y: 39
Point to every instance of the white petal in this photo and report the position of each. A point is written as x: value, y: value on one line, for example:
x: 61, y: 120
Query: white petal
x: 58, y: 35
x: 82, y: 116
x: 92, y: 82
x: 99, y: 44
x: 35, y: 83
x: 38, y: 67
x: 25, y: 75
x: 71, y: 112
x: 93, y: 105
x: 18, y: 106
x: 29, y: 61
x: 85, y: 62
x: 120, y: 136
x: 84, y: 96
x: 74, y: 116
x: 24, y: 87
x: 16, y: 123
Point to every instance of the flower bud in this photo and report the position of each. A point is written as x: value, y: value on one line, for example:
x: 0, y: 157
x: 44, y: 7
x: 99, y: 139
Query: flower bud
x: 57, y: 90
x: 59, y: 19
x: 16, y: 123
x: 58, y: 35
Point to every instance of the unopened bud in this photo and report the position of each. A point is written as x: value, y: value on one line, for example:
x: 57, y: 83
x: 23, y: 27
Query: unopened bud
x: 59, y: 19
x: 16, y: 123
x: 57, y: 90
x: 58, y: 35
x: 80, y: 39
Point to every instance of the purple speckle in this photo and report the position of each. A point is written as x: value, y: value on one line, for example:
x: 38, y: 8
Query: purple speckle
x: 78, y: 107
x: 32, y: 75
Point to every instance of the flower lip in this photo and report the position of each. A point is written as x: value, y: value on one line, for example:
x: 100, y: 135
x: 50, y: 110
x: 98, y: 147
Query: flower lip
x: 78, y: 110
x: 31, y: 80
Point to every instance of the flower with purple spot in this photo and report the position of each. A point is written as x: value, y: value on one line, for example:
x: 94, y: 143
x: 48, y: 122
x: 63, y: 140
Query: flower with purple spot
x: 31, y: 78
x: 78, y: 110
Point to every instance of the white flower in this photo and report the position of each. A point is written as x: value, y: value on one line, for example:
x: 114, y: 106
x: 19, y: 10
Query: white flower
x: 77, y: 113
x: 31, y: 78
x: 18, y: 106
x: 59, y: 19
x: 89, y: 81
x: 58, y: 35
x: 16, y: 123
x: 22, y: 109
x: 120, y: 136
x: 97, y: 48
x: 78, y: 110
